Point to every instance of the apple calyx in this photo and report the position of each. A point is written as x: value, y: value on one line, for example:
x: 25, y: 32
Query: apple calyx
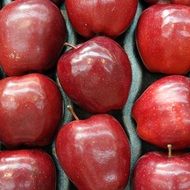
x: 169, y: 150
x: 70, y: 45
x: 70, y: 108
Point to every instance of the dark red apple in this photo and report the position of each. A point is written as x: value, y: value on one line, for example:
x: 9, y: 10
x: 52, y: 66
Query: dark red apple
x: 30, y: 110
x: 162, y: 112
x: 110, y: 18
x: 160, y: 172
x: 94, y: 153
x: 26, y: 170
x: 184, y: 2
x: 57, y: 2
x: 32, y: 33
x: 96, y: 75
x: 163, y: 38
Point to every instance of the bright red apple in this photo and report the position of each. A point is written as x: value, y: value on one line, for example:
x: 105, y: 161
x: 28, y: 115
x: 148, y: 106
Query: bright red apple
x: 96, y: 75
x: 110, y: 18
x: 160, y: 172
x: 26, y: 170
x: 32, y: 33
x: 163, y: 38
x: 162, y: 112
x: 30, y: 110
x: 94, y: 153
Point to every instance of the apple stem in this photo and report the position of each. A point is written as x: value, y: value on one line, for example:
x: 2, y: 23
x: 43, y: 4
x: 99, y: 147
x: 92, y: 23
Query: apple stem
x: 70, y: 45
x: 70, y: 108
x: 169, y: 150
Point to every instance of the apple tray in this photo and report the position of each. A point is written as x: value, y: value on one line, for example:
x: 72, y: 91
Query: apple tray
x: 141, y: 78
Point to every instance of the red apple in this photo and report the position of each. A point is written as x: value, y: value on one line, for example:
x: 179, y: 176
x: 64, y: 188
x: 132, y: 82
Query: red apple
x: 94, y: 153
x: 184, y: 2
x: 163, y: 38
x: 30, y: 110
x: 26, y: 170
x: 96, y: 75
x: 162, y: 112
x: 159, y: 172
x: 110, y: 18
x: 32, y: 33
x: 57, y: 2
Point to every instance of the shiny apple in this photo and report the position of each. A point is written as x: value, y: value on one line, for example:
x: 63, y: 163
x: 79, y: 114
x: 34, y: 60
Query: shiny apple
x: 96, y: 75
x: 110, y: 18
x: 94, y: 153
x: 164, y: 44
x: 162, y: 112
x: 158, y: 171
x: 30, y: 110
x: 32, y: 33
x: 26, y: 170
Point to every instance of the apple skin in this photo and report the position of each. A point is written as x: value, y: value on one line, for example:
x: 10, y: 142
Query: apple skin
x: 162, y: 112
x: 27, y: 170
x: 96, y: 75
x: 158, y: 171
x: 30, y: 110
x: 94, y: 153
x: 110, y: 18
x: 183, y: 2
x: 57, y: 2
x: 32, y: 33
x: 164, y: 44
